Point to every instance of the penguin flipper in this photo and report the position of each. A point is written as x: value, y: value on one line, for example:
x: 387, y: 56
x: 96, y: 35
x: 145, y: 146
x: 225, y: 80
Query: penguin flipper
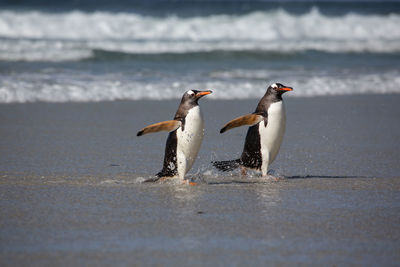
x: 249, y: 119
x: 167, y: 126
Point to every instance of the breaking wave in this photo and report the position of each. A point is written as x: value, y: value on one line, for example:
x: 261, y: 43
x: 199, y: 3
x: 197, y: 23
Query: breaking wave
x: 75, y: 35
x: 235, y: 84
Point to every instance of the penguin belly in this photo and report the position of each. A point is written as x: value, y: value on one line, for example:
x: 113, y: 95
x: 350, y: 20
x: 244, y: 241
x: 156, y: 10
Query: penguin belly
x: 271, y: 136
x: 189, y: 140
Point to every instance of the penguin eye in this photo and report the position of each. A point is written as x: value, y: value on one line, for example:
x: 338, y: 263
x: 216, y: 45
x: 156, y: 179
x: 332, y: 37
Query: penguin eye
x: 274, y: 86
x: 190, y: 92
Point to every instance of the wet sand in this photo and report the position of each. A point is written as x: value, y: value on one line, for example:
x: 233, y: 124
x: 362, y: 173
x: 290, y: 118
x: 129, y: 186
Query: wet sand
x: 71, y: 191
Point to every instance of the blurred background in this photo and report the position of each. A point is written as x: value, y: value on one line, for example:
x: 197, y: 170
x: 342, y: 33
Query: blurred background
x: 87, y: 50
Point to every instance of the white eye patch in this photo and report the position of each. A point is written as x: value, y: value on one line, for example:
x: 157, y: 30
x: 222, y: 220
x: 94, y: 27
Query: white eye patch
x: 274, y: 85
x: 190, y: 92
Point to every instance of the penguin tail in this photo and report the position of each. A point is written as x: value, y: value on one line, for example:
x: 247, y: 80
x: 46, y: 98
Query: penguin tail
x: 166, y: 173
x: 152, y: 179
x: 159, y: 176
x: 226, y: 165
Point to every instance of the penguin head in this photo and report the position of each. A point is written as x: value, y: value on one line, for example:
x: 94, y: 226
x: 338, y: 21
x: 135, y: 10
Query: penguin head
x: 192, y: 96
x: 278, y: 89
x: 273, y: 94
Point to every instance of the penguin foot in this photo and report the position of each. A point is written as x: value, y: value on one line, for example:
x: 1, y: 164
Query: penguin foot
x: 243, y: 171
x: 188, y: 182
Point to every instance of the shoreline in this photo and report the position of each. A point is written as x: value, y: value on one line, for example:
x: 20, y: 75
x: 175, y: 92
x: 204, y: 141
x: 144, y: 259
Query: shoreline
x: 325, y: 136
x: 71, y: 191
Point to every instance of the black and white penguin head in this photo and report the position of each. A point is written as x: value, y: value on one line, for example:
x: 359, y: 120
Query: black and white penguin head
x: 192, y: 96
x: 273, y: 95
x: 278, y: 89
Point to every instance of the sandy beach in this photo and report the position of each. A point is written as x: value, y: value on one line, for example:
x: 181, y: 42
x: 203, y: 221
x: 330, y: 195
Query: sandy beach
x: 325, y: 136
x: 71, y: 191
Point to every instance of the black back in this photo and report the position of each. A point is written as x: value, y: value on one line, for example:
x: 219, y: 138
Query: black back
x: 170, y: 165
x: 251, y: 155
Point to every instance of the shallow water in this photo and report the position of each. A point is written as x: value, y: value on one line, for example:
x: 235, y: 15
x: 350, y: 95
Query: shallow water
x: 326, y: 136
x: 295, y: 221
x: 72, y: 193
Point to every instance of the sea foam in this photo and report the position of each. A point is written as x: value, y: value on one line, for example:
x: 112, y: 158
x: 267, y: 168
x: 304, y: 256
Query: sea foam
x: 22, y: 88
x: 77, y: 36
x: 34, y: 35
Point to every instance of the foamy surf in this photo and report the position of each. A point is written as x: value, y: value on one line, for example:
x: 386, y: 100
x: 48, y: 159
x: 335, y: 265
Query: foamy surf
x: 267, y: 25
x: 241, y: 84
x: 75, y: 35
x: 76, y: 56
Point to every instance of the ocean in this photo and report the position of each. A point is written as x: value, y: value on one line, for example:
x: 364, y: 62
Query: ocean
x: 87, y: 51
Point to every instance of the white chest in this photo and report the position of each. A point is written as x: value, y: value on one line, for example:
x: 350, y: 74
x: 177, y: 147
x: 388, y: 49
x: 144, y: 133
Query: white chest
x: 189, y: 140
x: 271, y: 136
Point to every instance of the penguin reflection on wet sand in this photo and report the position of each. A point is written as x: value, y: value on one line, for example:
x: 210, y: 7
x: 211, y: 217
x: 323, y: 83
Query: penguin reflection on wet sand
x: 185, y: 137
x: 265, y: 134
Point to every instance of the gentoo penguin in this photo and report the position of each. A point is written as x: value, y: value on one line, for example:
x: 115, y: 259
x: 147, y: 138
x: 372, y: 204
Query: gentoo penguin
x: 265, y: 134
x: 185, y: 137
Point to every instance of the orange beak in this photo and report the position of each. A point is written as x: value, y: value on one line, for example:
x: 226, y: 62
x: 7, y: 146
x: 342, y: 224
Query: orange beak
x: 286, y: 89
x: 203, y: 93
